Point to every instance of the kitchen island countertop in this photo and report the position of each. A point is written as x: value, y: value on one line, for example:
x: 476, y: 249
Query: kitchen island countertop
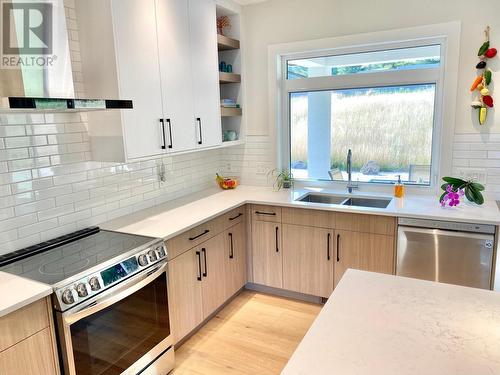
x: 376, y: 324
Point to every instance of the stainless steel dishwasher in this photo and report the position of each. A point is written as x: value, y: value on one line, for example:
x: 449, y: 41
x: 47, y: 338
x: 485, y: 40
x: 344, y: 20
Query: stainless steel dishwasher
x: 453, y: 253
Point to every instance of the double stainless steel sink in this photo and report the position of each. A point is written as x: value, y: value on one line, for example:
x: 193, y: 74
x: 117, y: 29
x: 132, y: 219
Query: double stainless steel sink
x: 345, y: 200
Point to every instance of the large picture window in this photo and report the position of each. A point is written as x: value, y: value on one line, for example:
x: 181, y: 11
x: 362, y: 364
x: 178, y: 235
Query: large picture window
x: 380, y: 104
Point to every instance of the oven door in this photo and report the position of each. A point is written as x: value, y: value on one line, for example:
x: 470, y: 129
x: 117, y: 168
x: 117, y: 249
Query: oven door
x: 124, y: 330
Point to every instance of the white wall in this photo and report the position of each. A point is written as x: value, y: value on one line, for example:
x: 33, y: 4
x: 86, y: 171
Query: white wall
x: 282, y: 21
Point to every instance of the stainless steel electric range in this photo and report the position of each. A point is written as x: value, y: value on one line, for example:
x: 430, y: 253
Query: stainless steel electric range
x: 110, y: 300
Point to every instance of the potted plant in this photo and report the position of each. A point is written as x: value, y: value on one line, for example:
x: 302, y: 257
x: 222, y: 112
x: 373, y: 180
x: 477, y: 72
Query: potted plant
x: 282, y: 179
x: 455, y: 188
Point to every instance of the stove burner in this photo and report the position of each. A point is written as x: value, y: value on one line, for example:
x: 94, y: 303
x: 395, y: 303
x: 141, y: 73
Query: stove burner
x: 63, y: 269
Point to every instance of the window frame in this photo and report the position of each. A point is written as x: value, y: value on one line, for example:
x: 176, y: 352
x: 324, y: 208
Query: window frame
x: 446, y: 35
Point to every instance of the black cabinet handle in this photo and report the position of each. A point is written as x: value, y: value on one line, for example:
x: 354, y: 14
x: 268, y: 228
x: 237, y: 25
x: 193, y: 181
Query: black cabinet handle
x: 163, y: 145
x: 171, y: 144
x: 277, y: 243
x: 198, y: 236
x: 338, y: 247
x: 198, y: 254
x: 328, y: 246
x: 265, y: 213
x: 204, y: 251
x: 237, y: 216
x: 231, y: 253
x: 198, y: 120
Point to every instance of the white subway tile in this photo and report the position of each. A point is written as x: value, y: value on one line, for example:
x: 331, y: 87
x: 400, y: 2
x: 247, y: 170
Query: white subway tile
x: 36, y: 206
x: 70, y: 178
x: 17, y: 222
x: 55, y: 212
x: 58, y: 231
x: 12, y: 131
x: 38, y: 227
x: 6, y: 213
x: 13, y: 177
x: 18, y: 165
x: 44, y: 129
x: 50, y: 192
x: 17, y: 142
x: 12, y: 154
x: 72, y: 198
x: 76, y: 216
x: 20, y: 118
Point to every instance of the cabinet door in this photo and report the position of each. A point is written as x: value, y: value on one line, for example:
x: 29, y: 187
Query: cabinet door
x: 136, y: 49
x: 205, y: 72
x: 364, y: 251
x: 185, y: 293
x: 308, y: 260
x: 31, y: 356
x: 175, y: 70
x: 213, y: 274
x: 267, y: 258
x: 235, y: 255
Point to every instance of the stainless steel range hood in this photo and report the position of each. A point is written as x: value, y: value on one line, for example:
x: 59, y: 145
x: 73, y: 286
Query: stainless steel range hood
x: 40, y: 61
x: 26, y: 104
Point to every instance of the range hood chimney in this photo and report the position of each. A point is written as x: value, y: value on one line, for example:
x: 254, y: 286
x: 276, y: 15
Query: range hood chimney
x: 36, y: 68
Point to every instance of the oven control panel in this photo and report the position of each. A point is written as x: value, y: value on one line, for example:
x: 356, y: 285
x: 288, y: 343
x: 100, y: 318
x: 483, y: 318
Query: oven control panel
x: 71, y: 294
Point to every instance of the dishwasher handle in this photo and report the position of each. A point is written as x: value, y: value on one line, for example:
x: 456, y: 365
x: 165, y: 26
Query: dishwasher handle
x: 447, y: 233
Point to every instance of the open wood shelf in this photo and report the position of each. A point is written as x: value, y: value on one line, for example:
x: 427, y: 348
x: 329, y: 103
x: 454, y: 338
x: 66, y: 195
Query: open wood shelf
x: 229, y: 77
x: 224, y: 43
x: 230, y: 112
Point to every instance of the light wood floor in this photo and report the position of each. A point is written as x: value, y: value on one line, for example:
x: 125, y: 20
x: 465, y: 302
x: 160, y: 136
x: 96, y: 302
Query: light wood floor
x: 255, y: 334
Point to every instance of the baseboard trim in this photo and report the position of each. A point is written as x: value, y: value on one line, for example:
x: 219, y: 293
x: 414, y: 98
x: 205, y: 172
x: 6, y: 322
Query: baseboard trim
x: 284, y: 293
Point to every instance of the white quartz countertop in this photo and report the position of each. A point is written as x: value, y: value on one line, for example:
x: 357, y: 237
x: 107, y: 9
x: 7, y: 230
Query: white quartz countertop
x: 17, y: 292
x: 376, y: 324
x: 169, y: 220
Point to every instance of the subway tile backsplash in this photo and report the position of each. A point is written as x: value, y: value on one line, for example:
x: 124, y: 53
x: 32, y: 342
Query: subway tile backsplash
x: 49, y: 185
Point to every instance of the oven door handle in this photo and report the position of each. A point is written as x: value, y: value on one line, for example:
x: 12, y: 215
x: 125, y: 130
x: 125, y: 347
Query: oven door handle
x: 114, y: 295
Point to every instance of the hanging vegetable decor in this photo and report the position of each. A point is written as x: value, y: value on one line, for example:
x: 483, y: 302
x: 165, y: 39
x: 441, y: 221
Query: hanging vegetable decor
x: 484, y: 100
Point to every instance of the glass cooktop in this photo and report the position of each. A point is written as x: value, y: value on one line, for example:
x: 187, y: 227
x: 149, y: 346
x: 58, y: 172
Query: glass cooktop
x: 61, y: 262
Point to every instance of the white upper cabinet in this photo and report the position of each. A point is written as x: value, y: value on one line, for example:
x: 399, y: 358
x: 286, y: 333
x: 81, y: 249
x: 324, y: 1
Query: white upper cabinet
x: 161, y: 54
x: 205, y: 72
x: 137, y: 60
x: 175, y: 70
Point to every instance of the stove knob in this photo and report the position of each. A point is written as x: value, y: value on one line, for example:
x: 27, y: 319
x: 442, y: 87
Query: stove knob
x: 161, y: 252
x: 67, y: 297
x: 81, y: 289
x: 152, y: 256
x: 143, y: 260
x: 94, y: 283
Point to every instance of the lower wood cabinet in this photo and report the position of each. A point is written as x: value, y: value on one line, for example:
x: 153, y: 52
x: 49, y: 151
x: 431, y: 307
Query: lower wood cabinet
x: 203, y: 278
x: 213, y: 280
x: 267, y: 254
x: 363, y: 251
x: 308, y: 260
x: 235, y: 258
x: 184, y: 293
x: 32, y: 356
x: 27, y: 341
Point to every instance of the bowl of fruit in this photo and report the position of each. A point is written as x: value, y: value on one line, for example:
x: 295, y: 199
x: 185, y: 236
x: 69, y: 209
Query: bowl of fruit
x: 226, y: 183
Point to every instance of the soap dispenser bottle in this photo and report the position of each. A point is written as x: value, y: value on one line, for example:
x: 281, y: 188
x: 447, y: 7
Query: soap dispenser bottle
x: 399, y: 188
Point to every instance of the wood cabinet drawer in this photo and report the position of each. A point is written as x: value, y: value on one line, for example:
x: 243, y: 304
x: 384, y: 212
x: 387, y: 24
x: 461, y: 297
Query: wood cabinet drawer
x: 234, y: 217
x: 266, y: 213
x: 195, y: 236
x: 31, y: 356
x: 308, y: 217
x: 365, y: 223
x: 20, y: 324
